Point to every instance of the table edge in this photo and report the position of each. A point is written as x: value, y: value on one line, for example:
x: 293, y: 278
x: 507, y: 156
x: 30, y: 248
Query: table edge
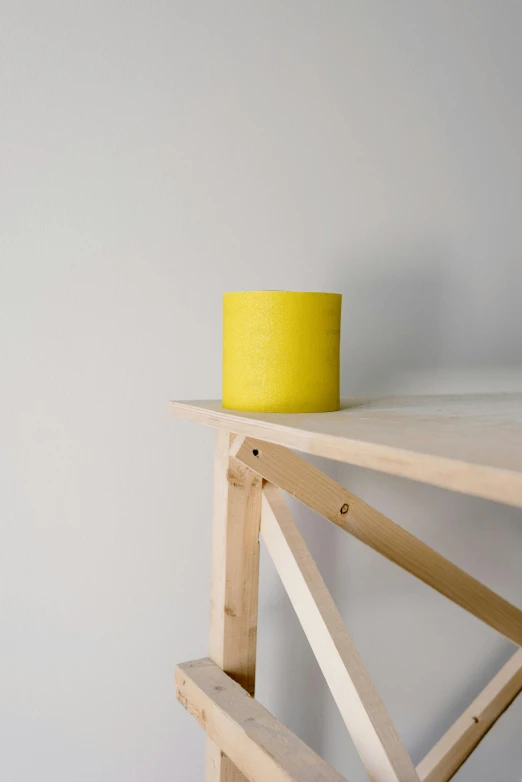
x: 477, y: 480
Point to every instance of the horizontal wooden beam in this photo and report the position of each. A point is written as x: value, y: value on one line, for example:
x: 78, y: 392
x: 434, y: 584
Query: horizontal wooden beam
x: 363, y: 712
x: 260, y: 746
x: 301, y: 479
x: 448, y: 755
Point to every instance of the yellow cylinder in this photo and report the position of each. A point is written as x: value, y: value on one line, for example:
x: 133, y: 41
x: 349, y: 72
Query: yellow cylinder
x: 281, y: 351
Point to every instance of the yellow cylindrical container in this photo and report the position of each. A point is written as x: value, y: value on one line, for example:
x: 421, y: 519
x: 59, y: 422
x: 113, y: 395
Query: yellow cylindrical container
x: 281, y: 351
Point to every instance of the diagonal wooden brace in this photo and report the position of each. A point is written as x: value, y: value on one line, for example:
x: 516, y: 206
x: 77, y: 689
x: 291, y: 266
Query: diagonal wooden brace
x: 457, y: 744
x: 302, y: 480
x: 363, y: 712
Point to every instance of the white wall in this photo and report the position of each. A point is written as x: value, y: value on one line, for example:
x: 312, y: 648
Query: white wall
x: 154, y: 155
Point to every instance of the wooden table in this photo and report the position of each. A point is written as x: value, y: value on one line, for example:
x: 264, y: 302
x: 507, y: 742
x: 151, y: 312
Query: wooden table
x: 470, y: 444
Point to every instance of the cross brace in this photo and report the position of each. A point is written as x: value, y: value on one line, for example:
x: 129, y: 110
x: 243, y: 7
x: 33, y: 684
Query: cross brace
x: 249, y: 474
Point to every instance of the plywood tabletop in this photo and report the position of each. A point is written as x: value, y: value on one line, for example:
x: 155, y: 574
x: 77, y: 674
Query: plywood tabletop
x: 470, y: 443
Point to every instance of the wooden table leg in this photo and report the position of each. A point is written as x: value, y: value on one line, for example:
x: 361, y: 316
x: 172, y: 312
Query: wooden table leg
x: 234, y: 582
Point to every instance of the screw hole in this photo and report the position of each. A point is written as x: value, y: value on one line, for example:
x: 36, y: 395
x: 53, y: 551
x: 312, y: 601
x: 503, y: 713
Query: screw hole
x: 344, y: 509
x: 255, y: 452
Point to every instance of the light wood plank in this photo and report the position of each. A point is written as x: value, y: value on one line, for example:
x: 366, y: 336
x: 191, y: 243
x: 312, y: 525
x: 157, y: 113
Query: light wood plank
x: 448, y: 755
x: 260, y: 746
x: 470, y: 443
x: 234, y: 582
x: 363, y: 712
x: 299, y: 478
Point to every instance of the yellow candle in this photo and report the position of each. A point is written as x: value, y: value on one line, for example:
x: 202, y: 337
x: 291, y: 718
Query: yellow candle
x: 281, y: 351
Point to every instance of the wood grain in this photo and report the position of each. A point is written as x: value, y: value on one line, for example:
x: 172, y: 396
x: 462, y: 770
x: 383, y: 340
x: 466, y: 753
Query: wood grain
x: 260, y: 746
x: 448, y: 755
x: 363, y: 712
x: 234, y: 582
x: 470, y: 443
x: 299, y: 478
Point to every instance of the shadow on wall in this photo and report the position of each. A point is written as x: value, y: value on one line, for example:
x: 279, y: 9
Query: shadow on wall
x: 424, y: 318
x: 391, y: 325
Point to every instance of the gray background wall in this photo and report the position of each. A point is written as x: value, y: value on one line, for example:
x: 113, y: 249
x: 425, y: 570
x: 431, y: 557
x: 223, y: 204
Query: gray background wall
x: 154, y: 155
